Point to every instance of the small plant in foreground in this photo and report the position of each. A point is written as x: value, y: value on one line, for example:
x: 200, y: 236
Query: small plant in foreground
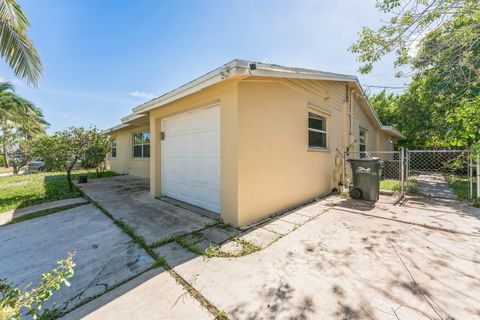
x: 160, y: 262
x: 13, y: 299
x: 221, y: 315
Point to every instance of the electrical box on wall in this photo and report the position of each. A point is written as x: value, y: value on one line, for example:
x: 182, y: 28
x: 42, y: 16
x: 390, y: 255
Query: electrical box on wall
x: 352, y: 139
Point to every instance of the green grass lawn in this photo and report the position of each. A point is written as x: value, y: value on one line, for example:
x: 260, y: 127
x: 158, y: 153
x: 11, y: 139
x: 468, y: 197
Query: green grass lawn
x: 394, y: 185
x: 29, y: 189
x: 390, y: 184
x: 459, y: 185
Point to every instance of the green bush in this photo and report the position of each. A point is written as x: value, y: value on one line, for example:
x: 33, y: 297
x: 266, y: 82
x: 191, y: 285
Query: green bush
x: 13, y: 300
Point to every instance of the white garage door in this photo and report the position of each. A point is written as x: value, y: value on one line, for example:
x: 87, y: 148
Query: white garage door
x: 191, y: 158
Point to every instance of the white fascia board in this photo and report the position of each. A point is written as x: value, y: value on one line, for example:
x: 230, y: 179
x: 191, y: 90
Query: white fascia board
x: 392, y: 131
x: 272, y: 70
x: 114, y: 128
x: 389, y: 129
x: 131, y: 117
x: 242, y: 68
x: 370, y: 107
x: 198, y: 84
x: 238, y: 68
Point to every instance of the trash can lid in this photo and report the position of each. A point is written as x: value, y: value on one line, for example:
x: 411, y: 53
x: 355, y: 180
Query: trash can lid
x: 374, y: 159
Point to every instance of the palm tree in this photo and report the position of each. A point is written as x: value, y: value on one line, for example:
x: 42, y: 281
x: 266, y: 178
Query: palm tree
x: 18, y: 117
x: 15, y: 46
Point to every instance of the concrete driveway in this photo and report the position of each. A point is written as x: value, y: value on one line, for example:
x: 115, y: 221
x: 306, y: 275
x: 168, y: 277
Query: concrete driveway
x: 105, y: 256
x: 348, y: 265
x: 355, y: 260
x: 127, y: 198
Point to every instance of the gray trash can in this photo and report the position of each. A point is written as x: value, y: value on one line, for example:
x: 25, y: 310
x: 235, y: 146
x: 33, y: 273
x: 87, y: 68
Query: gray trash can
x: 366, y: 178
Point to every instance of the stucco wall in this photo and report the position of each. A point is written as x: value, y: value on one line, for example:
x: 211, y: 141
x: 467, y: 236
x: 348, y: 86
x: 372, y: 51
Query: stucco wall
x: 266, y: 165
x: 276, y: 169
x: 124, y: 161
x: 224, y: 94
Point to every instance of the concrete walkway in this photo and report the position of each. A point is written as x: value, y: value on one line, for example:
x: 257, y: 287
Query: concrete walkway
x: 435, y: 213
x: 262, y: 234
x: 105, y: 255
x: 8, y: 216
x: 152, y: 295
x: 346, y: 265
x: 433, y: 184
x: 127, y: 198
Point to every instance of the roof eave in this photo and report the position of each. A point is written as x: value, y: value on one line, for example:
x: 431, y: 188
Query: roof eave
x: 238, y: 68
x: 393, y: 132
x: 116, y: 128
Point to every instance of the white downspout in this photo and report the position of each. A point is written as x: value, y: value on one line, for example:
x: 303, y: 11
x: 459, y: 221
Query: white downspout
x: 351, y: 137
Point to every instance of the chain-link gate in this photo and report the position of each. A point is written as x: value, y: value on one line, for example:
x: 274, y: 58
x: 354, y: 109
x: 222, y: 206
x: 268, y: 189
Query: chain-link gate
x: 393, y: 171
x: 440, y: 173
x: 453, y: 174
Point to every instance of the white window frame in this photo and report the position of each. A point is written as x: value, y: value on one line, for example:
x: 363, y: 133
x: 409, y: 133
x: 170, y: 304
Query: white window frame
x: 325, y: 117
x: 364, y: 132
x: 143, y: 144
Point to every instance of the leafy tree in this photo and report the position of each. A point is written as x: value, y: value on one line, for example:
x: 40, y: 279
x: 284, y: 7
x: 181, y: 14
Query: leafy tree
x: 405, y: 112
x: 63, y: 150
x: 96, y: 152
x: 15, y: 46
x: 409, y: 22
x: 439, y: 41
x: 20, y: 120
x: 13, y: 300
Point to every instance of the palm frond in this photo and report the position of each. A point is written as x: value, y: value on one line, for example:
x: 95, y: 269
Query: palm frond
x: 15, y: 46
x: 6, y: 86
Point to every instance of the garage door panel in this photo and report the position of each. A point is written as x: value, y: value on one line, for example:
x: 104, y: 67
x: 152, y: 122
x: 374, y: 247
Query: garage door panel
x: 191, y: 158
x: 202, y: 144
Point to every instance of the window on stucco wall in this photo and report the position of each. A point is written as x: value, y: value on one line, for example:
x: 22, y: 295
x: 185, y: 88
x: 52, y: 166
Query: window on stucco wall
x: 317, y: 131
x: 141, y: 144
x: 114, y: 148
x: 362, y: 142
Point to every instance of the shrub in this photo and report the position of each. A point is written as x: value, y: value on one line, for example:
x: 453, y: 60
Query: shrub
x: 13, y: 300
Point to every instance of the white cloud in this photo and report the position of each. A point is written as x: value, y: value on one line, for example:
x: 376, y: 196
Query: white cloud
x: 15, y: 82
x: 142, y: 94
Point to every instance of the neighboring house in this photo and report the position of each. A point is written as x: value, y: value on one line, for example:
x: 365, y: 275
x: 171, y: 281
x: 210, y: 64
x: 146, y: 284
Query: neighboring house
x: 248, y: 139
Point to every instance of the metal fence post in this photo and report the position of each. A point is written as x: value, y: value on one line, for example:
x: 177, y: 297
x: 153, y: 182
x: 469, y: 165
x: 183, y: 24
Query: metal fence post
x: 407, y: 169
x: 478, y: 176
x: 402, y: 170
x: 470, y: 175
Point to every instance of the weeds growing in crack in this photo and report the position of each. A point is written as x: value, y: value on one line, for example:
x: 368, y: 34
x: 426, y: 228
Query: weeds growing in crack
x: 160, y: 262
x: 162, y: 241
x: 247, y: 247
x: 183, y: 241
x: 221, y: 315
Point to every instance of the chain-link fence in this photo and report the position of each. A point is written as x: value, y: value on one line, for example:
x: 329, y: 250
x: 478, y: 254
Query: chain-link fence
x: 393, y: 170
x: 453, y: 174
x: 441, y: 173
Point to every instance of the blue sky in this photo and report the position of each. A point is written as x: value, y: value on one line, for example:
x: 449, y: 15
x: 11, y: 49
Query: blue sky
x: 102, y: 58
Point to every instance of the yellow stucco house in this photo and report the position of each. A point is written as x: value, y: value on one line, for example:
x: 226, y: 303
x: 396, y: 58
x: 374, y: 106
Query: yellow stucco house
x: 247, y: 140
